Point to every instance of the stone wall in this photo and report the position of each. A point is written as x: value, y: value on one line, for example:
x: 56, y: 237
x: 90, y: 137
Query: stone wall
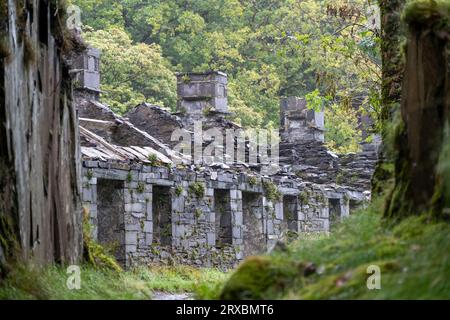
x: 208, y: 215
x: 190, y: 207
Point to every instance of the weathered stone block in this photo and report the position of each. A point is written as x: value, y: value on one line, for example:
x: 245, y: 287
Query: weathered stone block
x: 148, y: 226
x: 131, y: 238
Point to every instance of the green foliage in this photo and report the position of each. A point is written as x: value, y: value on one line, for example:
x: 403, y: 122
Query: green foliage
x: 129, y: 177
x: 441, y: 198
x: 179, y: 191
x: 180, y: 278
x: 132, y: 72
x: 27, y: 282
x: 315, y: 101
x: 268, y: 48
x: 252, y: 181
x: 304, y: 197
x: 33, y: 283
x: 197, y: 189
x: 271, y: 191
x: 140, y: 187
x: 259, y: 277
x: 342, y: 132
x: 414, y: 258
x: 198, y: 213
x: 153, y: 159
x: 432, y: 12
x: 90, y: 174
x: 94, y: 253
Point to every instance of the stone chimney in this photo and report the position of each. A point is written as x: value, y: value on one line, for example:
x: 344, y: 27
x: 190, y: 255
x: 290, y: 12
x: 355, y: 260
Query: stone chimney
x: 298, y: 123
x: 202, y: 93
x: 87, y: 74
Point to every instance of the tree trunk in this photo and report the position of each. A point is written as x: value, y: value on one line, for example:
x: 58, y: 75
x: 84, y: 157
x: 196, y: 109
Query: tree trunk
x: 393, y: 34
x: 421, y: 136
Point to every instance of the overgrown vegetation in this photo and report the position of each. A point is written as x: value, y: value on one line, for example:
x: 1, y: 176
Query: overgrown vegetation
x: 414, y: 258
x: 269, y: 49
x: 138, y: 284
x: 271, y: 191
x: 95, y: 254
x: 197, y: 189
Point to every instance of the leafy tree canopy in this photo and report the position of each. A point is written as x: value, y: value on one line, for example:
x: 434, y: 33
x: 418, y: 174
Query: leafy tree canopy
x: 323, y: 49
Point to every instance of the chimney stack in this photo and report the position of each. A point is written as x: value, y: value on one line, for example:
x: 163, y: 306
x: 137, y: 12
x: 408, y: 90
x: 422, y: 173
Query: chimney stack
x: 200, y: 93
x: 300, y: 124
x: 87, y: 70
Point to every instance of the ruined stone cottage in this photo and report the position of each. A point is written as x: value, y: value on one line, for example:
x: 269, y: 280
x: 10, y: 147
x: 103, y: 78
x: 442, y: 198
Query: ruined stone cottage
x: 156, y: 204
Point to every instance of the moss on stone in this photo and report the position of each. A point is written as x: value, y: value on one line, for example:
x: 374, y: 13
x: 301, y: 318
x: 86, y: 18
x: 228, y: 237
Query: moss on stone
x: 129, y: 177
x: 179, y: 191
x: 140, y: 187
x: 434, y: 13
x: 271, y: 191
x: 259, y: 277
x: 90, y: 174
x: 153, y: 159
x: 252, y: 181
x: 94, y: 253
x: 303, y: 196
x: 197, y: 189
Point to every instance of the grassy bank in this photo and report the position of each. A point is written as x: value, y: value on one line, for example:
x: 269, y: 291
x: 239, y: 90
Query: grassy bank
x: 50, y: 283
x: 413, y: 256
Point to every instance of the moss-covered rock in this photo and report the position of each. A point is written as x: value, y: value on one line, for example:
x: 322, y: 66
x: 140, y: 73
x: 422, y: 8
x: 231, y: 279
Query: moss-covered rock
x: 259, y: 278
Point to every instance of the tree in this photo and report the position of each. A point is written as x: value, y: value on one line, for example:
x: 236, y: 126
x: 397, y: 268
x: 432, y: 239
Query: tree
x: 268, y: 48
x: 421, y: 137
x: 132, y: 73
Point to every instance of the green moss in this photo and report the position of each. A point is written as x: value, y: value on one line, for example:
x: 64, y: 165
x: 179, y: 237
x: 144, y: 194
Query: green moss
x: 208, y: 111
x: 434, y: 13
x: 179, y: 191
x: 129, y: 177
x: 304, y: 196
x: 197, y: 189
x: 140, y: 187
x: 259, y: 277
x: 340, y: 178
x: 4, y: 8
x: 413, y: 256
x: 153, y: 159
x: 252, y: 181
x: 271, y: 191
x: 441, y: 197
x: 94, y: 253
x: 186, y: 78
x: 90, y: 174
x: 198, y: 213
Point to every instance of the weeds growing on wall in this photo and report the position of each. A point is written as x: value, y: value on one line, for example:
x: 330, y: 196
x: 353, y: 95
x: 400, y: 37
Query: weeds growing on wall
x: 197, y: 189
x: 94, y: 253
